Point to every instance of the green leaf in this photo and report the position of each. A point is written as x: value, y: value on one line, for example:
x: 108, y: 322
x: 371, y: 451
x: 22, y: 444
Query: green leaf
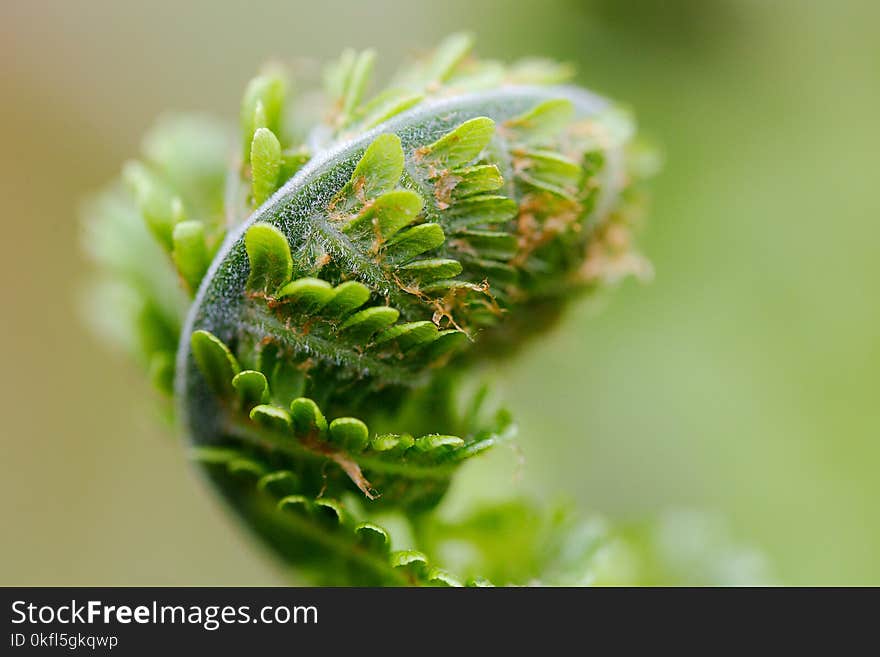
x: 336, y: 73
x: 215, y: 361
x: 271, y: 418
x: 442, y: 287
x: 445, y: 343
x: 270, y: 259
x: 265, y: 164
x: 536, y: 70
x: 460, y: 146
x: 392, y: 443
x: 449, y: 55
x: 211, y: 455
x: 440, y: 577
x: 361, y: 326
x: 478, y: 75
x: 350, y: 433
x: 387, y: 215
x: 280, y: 483
x: 500, y: 272
x: 191, y: 152
x: 286, y: 381
x: 245, y: 469
x: 296, y: 504
x: 550, y: 171
x: 480, y: 211
x: 190, y: 252
x: 377, y: 172
x: 415, y: 241
x: 259, y: 117
x: 162, y: 371
x: 425, y: 271
x: 496, y: 245
x: 308, y: 420
x: 542, y: 122
x: 291, y: 163
x: 154, y: 200
x: 252, y: 388
x: 409, y: 335
x: 435, y: 442
x: 156, y: 330
x: 307, y: 293
x: 412, y: 562
x: 265, y: 92
x: 329, y: 512
x: 373, y: 538
x: 347, y: 297
x: 386, y: 105
x: 476, y: 180
x: 358, y: 78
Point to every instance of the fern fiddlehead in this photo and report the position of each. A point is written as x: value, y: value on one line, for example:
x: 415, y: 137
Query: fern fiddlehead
x: 345, y: 273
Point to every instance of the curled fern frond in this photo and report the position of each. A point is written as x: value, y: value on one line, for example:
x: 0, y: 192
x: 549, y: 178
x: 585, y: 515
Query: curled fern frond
x: 338, y: 281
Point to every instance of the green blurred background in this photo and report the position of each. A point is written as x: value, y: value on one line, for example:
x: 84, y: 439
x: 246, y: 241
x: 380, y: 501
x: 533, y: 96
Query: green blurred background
x: 744, y: 379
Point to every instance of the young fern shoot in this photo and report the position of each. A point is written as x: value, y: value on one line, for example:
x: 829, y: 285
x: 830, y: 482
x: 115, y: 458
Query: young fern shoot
x: 338, y: 282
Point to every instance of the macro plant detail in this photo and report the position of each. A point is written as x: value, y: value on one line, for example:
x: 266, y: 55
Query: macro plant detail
x: 315, y: 312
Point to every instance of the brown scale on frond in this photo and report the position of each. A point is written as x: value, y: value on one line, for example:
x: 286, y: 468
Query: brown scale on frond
x: 586, y: 130
x: 443, y: 309
x: 454, y: 299
x: 419, y: 155
x: 538, y: 222
x: 443, y: 187
x: 306, y: 365
x: 307, y: 325
x: 491, y: 303
x: 323, y: 260
x: 610, y: 255
x: 270, y: 301
x: 519, y: 161
x: 358, y: 189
